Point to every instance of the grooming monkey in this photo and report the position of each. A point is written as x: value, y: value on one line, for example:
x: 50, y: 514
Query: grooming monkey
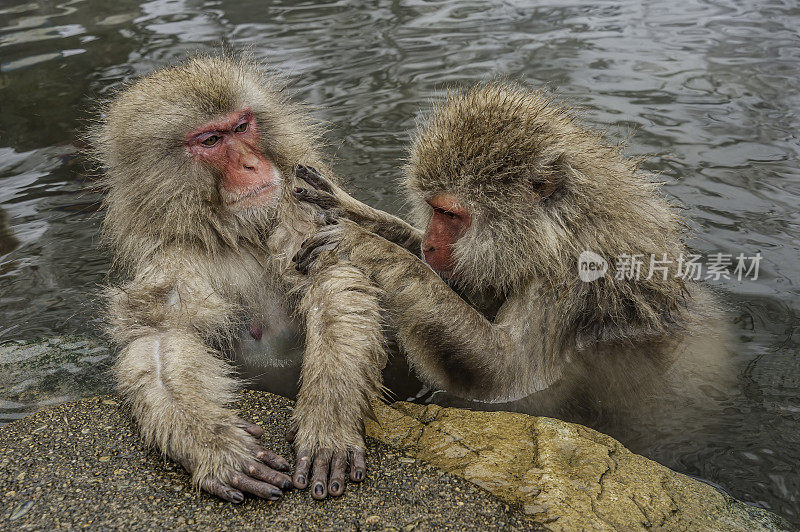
x: 198, y: 162
x: 510, y: 191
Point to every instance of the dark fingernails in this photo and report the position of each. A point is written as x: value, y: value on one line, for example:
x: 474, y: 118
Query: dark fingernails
x: 335, y: 486
x: 275, y: 492
x: 319, y: 489
x: 287, y: 484
x: 300, y: 481
x: 237, y: 497
x: 359, y: 475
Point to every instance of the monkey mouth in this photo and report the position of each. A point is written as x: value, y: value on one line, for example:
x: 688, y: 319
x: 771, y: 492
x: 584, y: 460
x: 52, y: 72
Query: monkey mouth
x: 444, y: 274
x: 259, y: 191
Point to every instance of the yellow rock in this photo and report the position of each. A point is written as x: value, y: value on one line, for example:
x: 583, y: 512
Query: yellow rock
x: 563, y: 475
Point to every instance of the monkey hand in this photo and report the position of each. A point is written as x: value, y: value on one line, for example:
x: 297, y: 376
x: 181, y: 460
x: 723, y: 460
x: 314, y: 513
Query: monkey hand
x: 335, y: 204
x: 327, y: 239
x: 328, y: 467
x: 234, y: 462
x: 323, y: 193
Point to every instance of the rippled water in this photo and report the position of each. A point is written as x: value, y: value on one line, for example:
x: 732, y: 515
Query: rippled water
x: 710, y: 87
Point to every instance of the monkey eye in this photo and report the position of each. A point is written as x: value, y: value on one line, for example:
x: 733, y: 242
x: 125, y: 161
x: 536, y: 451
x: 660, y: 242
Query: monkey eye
x: 210, y: 141
x: 241, y: 128
x: 447, y: 213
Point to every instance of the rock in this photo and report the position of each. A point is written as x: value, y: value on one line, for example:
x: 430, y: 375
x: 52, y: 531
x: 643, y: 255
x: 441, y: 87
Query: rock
x: 565, y: 476
x: 56, y: 474
x: 80, y: 464
x: 35, y: 374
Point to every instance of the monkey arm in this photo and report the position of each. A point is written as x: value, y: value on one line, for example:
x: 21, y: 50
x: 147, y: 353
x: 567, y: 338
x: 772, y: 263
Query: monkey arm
x: 338, y: 203
x: 341, y: 371
x: 448, y: 341
x: 179, y: 389
x: 385, y: 225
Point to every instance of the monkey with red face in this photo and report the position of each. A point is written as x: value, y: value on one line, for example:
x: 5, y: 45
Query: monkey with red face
x: 510, y: 191
x: 199, y: 170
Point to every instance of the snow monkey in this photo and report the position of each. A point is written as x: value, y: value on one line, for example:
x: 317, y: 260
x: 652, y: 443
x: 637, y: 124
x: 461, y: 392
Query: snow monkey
x: 514, y: 197
x: 199, y: 169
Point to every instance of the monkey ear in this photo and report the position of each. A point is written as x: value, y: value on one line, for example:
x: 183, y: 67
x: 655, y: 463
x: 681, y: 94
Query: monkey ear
x: 544, y: 189
x: 544, y: 185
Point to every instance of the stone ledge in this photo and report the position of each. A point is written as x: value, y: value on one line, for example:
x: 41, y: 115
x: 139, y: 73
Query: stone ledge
x: 80, y: 464
x: 565, y: 476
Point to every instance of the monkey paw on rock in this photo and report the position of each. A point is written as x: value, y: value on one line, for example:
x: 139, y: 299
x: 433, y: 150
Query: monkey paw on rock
x: 238, y: 465
x: 327, y: 467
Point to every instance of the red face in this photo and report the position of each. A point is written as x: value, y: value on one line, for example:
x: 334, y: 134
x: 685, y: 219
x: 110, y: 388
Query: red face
x: 230, y: 145
x: 449, y: 223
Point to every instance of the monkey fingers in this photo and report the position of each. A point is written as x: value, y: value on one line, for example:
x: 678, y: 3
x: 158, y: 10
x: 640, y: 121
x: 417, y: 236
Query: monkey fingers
x: 328, y: 471
x: 319, y: 475
x: 304, y: 266
x: 251, y: 428
x: 223, y: 491
x: 268, y: 457
x: 291, y: 433
x: 255, y: 478
x: 311, y: 175
x: 259, y: 480
x: 267, y: 474
x: 338, y: 470
x: 256, y: 487
x: 329, y: 217
x: 327, y: 239
x: 358, y: 466
x: 302, y: 468
x: 323, y: 200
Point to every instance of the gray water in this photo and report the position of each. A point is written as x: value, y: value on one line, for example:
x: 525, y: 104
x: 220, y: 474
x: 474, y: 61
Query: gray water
x: 709, y: 87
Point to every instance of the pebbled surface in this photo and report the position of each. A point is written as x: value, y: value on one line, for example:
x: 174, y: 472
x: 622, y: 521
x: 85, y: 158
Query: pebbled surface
x: 80, y: 464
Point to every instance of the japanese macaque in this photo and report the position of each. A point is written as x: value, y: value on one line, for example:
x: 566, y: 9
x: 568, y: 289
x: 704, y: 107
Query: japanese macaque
x: 512, y: 193
x: 199, y: 170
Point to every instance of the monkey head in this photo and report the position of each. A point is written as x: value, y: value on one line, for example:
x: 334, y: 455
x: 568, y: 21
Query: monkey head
x: 197, y: 153
x: 509, y: 186
x: 448, y: 223
x: 230, y: 145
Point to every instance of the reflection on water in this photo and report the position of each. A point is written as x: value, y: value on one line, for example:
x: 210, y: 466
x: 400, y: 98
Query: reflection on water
x: 709, y: 87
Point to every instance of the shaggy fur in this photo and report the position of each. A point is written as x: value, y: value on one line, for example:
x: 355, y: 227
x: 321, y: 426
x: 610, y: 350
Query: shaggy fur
x: 195, y: 270
x: 517, y: 318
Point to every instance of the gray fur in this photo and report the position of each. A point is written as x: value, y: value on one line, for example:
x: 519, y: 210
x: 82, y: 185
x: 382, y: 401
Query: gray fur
x: 194, y: 270
x: 517, y: 318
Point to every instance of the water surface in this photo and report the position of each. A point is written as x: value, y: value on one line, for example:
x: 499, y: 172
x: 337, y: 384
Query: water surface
x: 710, y: 87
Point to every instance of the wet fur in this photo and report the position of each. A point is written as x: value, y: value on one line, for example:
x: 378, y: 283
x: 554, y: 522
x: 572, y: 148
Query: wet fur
x: 518, y: 319
x: 194, y: 270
